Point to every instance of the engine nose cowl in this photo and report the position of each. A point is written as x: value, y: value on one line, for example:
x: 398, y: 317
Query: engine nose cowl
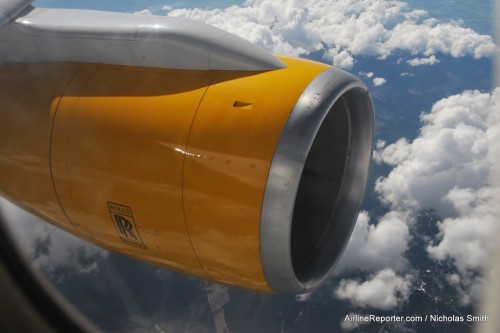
x: 316, y: 182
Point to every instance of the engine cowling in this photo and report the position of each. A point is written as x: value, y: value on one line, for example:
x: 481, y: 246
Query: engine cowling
x: 251, y: 179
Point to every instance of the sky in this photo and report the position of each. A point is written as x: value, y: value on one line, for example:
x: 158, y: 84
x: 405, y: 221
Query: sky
x: 434, y: 171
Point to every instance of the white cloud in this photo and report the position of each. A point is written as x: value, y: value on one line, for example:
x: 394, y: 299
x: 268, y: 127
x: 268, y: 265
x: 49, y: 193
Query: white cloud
x: 394, y: 154
x: 451, y: 151
x: 343, y: 29
x: 469, y: 239
x: 448, y: 168
x: 378, y: 81
x: 432, y: 60
x: 167, y: 8
x: 146, y: 11
x: 49, y: 247
x: 366, y: 74
x: 431, y: 37
x: 469, y: 286
x: 343, y: 59
x: 373, y: 247
x: 384, y: 290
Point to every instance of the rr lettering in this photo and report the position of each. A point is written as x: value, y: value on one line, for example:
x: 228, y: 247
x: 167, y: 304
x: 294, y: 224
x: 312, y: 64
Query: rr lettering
x: 125, y: 227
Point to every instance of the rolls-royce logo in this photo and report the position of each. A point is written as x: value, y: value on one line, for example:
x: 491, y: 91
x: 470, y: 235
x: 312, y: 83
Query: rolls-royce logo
x: 124, y: 223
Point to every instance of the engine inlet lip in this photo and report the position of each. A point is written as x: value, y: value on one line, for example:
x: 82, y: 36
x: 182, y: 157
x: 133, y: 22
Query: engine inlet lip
x: 287, y: 167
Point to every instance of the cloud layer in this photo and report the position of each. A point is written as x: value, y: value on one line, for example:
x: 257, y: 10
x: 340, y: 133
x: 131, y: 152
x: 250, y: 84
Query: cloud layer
x: 343, y: 29
x: 451, y: 153
x: 448, y: 169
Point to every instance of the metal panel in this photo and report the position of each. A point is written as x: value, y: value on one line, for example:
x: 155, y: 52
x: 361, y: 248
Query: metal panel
x: 117, y: 159
x: 51, y: 35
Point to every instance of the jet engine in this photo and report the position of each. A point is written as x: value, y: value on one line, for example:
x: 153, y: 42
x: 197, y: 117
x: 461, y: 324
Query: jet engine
x: 182, y: 146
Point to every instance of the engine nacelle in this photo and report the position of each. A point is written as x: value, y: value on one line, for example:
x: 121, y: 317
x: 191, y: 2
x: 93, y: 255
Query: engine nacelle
x: 251, y: 179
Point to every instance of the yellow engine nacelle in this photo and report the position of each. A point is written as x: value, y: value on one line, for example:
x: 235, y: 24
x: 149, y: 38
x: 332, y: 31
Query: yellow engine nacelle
x: 251, y: 179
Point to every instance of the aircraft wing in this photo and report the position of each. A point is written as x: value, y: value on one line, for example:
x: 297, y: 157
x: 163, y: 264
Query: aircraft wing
x: 67, y: 35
